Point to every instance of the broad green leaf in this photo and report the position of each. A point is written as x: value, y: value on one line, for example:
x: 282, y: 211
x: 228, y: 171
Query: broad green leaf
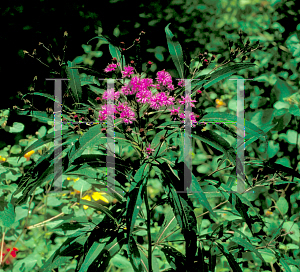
x: 175, y: 52
x: 7, y: 217
x: 73, y: 75
x: 232, y: 262
x: 247, y: 245
x: 277, y: 232
x: 120, y: 262
x: 226, y: 72
x: 294, y: 228
x: 282, y: 205
x: 16, y: 128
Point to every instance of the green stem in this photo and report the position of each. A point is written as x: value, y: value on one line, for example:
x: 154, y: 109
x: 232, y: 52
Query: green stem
x: 148, y: 231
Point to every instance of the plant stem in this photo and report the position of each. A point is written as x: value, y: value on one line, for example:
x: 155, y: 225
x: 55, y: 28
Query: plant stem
x: 148, y: 230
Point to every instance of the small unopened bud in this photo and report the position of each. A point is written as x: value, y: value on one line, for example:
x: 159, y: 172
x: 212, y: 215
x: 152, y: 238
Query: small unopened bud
x: 149, y: 64
x: 213, y: 57
x: 142, y: 132
x: 65, y: 34
x: 98, y: 99
x: 162, y: 138
x: 205, y: 53
x: 103, y: 130
x: 25, y: 52
x: 137, y: 40
x: 114, y: 60
x: 150, y: 125
x: 132, y: 61
x: 129, y: 129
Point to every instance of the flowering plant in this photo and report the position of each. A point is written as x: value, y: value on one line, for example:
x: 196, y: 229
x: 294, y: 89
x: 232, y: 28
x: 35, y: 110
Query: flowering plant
x: 146, y: 117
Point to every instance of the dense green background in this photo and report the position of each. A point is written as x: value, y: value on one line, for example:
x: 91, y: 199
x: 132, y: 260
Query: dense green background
x: 199, y: 26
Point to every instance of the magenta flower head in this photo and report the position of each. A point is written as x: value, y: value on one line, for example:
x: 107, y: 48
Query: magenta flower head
x: 111, y: 67
x: 149, y: 150
x: 111, y: 94
x: 181, y: 83
x: 128, y: 71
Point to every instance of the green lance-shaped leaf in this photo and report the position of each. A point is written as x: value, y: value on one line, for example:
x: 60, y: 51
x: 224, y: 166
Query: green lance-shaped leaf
x: 221, y: 117
x: 168, y: 225
x: 226, y: 72
x: 216, y: 141
x: 98, y: 207
x: 51, y: 97
x: 42, y: 116
x: 197, y: 192
x: 71, y: 247
x: 116, y: 53
x: 135, y: 256
x: 175, y: 258
x: 40, y: 142
x: 175, y: 51
x: 134, y: 201
x: 93, y: 253
x: 232, y: 262
x: 89, y: 80
x: 91, y: 137
x: 75, y: 84
x: 247, y: 245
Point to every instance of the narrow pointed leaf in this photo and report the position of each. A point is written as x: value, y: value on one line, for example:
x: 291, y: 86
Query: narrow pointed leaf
x: 74, y: 81
x: 232, y: 262
x: 175, y: 51
x: 226, y: 72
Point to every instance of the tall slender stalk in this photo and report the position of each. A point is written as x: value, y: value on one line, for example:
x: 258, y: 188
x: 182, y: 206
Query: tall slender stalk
x: 148, y: 230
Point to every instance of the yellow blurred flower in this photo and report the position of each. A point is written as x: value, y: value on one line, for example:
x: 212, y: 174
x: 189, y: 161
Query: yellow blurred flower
x: 220, y: 103
x: 28, y: 154
x: 96, y: 196
x: 268, y: 213
x: 3, y: 159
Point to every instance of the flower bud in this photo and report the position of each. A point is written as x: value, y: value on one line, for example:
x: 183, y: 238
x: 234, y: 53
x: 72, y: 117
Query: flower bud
x: 128, y: 129
x: 114, y: 60
x: 103, y: 130
x: 150, y: 126
x: 142, y: 132
x: 162, y: 139
x: 149, y: 63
